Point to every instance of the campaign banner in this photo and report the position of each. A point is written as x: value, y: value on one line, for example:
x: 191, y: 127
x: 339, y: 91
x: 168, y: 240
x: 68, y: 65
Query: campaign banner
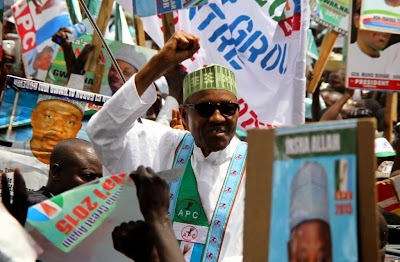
x: 36, y: 22
x: 77, y: 224
x: 154, y: 7
x: 317, y: 166
x: 34, y: 117
x: 372, y: 57
x: 130, y: 59
x: 263, y: 42
x: 383, y: 16
x: 333, y: 14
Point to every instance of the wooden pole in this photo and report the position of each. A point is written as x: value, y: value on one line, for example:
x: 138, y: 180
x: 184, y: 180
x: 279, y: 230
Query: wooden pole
x: 98, y: 78
x: 102, y: 22
x: 140, y: 35
x: 390, y: 114
x: 326, y: 48
x: 168, y: 25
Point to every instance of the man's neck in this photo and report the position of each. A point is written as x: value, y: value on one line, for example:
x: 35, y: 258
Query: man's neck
x: 367, y: 50
x: 42, y: 156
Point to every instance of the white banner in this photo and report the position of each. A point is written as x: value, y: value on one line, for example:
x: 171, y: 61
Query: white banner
x: 264, y: 42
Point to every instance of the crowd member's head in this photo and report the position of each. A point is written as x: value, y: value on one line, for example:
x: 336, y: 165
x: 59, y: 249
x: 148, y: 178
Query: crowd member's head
x: 210, y: 107
x: 383, y: 150
x: 370, y: 42
x: 310, y: 236
x: 73, y: 162
x: 394, y: 3
x: 54, y: 120
x: 43, y: 59
x: 370, y: 104
x: 129, y: 61
x: 336, y: 81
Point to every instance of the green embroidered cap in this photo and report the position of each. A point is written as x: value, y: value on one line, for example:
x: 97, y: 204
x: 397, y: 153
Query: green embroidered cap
x: 209, y: 78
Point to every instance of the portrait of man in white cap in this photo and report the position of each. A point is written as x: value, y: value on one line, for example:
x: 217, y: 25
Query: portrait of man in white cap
x: 129, y: 61
x: 310, y: 235
x: 53, y: 120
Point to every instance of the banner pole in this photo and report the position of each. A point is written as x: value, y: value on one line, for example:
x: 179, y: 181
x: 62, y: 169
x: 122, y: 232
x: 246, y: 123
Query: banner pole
x: 168, y: 25
x: 326, y: 48
x: 100, y: 36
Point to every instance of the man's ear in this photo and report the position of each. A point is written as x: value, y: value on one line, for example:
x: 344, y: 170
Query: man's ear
x: 356, y: 18
x: 55, y: 171
x: 184, y: 116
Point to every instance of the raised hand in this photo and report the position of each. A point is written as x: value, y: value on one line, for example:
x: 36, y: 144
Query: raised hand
x: 19, y: 207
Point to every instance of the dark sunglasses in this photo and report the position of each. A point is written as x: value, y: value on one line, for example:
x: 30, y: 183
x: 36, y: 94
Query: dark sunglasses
x: 207, y: 109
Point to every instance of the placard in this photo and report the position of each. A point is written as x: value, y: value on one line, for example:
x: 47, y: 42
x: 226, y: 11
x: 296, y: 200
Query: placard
x: 383, y: 16
x: 373, y: 57
x: 34, y: 117
x: 130, y: 59
x: 153, y: 7
x: 328, y: 192
x: 333, y: 14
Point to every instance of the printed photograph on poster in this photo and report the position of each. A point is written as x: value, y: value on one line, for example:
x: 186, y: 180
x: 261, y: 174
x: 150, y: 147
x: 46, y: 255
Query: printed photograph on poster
x: 373, y: 57
x: 129, y: 58
x: 153, y: 7
x: 319, y: 212
x: 383, y: 15
x: 34, y: 117
x: 36, y: 22
x: 333, y: 14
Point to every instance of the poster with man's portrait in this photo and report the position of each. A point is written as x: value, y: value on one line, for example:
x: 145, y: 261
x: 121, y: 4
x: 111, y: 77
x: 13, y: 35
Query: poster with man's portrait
x: 36, y: 22
x: 129, y: 58
x: 34, y: 117
x: 381, y: 15
x: 317, y: 215
x: 373, y: 56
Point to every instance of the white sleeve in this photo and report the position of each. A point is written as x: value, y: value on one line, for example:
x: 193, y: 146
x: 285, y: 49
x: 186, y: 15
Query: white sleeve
x: 165, y: 115
x: 120, y: 141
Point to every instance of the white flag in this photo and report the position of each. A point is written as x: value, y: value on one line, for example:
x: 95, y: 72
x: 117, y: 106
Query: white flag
x: 263, y: 42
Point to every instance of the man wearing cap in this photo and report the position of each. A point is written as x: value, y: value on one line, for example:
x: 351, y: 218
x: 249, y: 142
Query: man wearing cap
x: 129, y: 61
x: 211, y: 190
x: 54, y: 119
x: 310, y: 235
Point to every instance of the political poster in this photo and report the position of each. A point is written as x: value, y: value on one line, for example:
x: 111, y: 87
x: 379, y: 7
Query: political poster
x: 263, y: 42
x: 37, y: 21
x: 383, y: 16
x: 329, y: 201
x: 34, y: 117
x: 129, y: 58
x: 316, y: 165
x: 372, y: 56
x: 333, y: 14
x: 77, y: 224
x: 154, y: 7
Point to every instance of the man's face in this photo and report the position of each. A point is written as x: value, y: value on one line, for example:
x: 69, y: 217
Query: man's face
x: 43, y: 60
x: 53, y: 121
x: 212, y: 133
x: 85, y: 168
x: 114, y: 80
x: 336, y: 81
x: 376, y: 41
x: 310, y: 242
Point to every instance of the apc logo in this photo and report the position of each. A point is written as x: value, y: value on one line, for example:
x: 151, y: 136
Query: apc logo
x: 213, y: 240
x: 188, y: 210
x: 46, y: 210
x: 210, y: 255
x: 189, y: 233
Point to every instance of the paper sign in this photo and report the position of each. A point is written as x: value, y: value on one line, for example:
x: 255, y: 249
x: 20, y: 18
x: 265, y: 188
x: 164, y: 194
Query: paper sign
x: 153, y: 7
x: 333, y: 14
x: 383, y: 16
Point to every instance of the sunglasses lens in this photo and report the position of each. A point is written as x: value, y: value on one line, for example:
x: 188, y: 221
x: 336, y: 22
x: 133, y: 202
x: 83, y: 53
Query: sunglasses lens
x: 205, y: 109
x: 228, y: 109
